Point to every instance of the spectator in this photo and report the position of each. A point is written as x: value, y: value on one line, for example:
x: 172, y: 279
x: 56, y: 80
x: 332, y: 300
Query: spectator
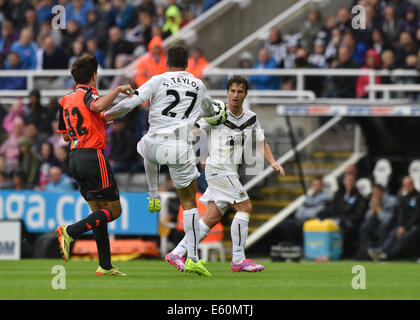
x: 311, y: 26
x: 292, y: 46
x: 26, y: 49
x: 379, y: 43
x: 317, y: 58
x: 187, y: 16
x: 17, y: 9
x: 391, y: 25
x: 123, y: 14
x: 13, y: 62
x: 314, y: 206
x: 344, y: 87
x: 28, y: 162
x: 31, y: 132
x: 377, y: 221
x: 5, y: 182
x: 10, y: 148
x: 405, y: 48
x: 160, y: 16
x: 46, y: 161
x: 95, y: 29
x: 312, y: 83
x: 331, y: 51
x: 173, y: 19
x: 411, y: 22
x: 275, y: 46
x: 44, y: 11
x: 388, y: 63
x: 348, y: 207
x: 31, y: 21
x: 147, y: 6
x: 117, y: 45
x: 16, y: 110
x: 197, y: 64
x: 59, y: 181
x: 56, y: 139
x: 93, y: 49
x: 8, y: 37
x: 265, y: 82
x: 151, y: 64
x: 78, y: 49
x: 142, y: 32
x: 357, y: 48
x: 404, y: 238
x: 344, y: 19
x: 70, y: 35
x: 19, y: 180
x: 123, y: 147
x: 77, y: 10
x: 36, y: 113
x: 53, y: 57
x: 372, y: 61
x: 62, y: 155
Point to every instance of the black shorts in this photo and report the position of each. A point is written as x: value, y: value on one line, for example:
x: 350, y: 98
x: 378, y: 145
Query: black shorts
x: 92, y: 171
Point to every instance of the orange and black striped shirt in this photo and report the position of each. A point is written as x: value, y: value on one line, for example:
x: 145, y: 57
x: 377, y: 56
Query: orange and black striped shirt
x: 86, y: 129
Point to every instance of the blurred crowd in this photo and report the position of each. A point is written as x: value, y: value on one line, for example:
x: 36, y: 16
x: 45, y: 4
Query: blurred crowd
x: 376, y: 225
x: 116, y: 32
x: 390, y: 41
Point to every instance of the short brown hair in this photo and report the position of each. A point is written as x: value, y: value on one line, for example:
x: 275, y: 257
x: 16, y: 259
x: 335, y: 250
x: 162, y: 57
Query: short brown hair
x: 238, y: 80
x: 83, y: 69
x: 177, y: 57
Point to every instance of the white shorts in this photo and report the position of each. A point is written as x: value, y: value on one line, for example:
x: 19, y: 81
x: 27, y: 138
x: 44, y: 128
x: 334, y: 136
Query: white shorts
x: 224, y: 191
x: 177, y: 155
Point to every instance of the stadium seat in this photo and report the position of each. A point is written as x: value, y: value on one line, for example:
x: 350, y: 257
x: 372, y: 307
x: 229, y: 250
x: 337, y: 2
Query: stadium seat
x: 414, y: 172
x: 364, y: 186
x: 382, y: 172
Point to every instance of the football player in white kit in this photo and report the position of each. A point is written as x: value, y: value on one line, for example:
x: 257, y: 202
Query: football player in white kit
x: 175, y: 100
x: 224, y: 188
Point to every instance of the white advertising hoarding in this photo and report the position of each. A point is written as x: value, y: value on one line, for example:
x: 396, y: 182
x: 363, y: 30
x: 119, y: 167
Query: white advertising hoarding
x: 10, y: 240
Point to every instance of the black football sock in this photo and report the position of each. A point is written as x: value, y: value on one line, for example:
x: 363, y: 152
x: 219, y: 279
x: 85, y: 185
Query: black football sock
x: 95, y: 219
x: 100, y: 234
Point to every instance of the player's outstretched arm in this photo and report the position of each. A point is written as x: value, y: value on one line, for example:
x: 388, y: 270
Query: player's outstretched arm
x: 103, y: 103
x: 268, y: 156
x: 123, y: 107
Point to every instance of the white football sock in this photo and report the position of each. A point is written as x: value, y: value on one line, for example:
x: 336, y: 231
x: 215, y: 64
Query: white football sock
x: 192, y: 232
x: 239, y: 233
x: 181, y: 248
x: 152, y: 175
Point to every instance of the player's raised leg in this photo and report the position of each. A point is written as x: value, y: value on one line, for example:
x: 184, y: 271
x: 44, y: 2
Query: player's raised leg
x: 239, y: 234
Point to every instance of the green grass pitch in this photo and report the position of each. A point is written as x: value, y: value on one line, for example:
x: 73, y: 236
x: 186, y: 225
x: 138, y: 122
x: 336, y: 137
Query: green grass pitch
x: 157, y: 280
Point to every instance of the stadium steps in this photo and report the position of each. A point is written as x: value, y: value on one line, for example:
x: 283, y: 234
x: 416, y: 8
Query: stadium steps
x: 280, y: 191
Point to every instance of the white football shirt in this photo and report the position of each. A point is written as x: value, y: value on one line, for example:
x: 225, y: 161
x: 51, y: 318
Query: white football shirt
x: 227, y: 142
x: 175, y: 101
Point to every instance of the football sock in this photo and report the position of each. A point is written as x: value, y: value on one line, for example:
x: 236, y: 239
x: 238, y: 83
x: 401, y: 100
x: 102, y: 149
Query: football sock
x: 152, y: 175
x: 100, y: 235
x: 181, y: 248
x: 95, y: 219
x: 239, y: 233
x: 192, y: 232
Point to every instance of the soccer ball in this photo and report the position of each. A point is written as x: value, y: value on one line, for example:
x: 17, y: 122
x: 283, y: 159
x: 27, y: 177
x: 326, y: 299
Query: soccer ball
x: 220, y: 113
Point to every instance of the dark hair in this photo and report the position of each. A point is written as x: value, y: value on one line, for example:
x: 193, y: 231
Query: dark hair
x: 238, y: 80
x: 83, y: 69
x: 177, y: 57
